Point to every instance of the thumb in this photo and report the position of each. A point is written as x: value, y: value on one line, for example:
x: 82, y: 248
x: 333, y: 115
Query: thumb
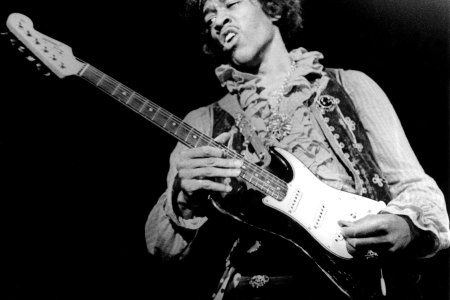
x: 225, y: 137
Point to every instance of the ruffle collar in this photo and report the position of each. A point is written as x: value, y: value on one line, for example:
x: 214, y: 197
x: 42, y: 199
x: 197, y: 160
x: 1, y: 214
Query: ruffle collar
x: 246, y: 84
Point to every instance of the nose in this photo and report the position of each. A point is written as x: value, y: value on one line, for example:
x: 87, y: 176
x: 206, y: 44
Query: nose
x: 222, y: 18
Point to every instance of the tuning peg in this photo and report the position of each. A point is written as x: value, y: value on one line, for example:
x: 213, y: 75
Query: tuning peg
x: 38, y: 66
x: 47, y: 74
x: 31, y: 58
x: 21, y: 49
x: 13, y: 41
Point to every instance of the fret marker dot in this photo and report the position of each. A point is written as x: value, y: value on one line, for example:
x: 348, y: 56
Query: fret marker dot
x: 194, y: 136
x: 174, y: 124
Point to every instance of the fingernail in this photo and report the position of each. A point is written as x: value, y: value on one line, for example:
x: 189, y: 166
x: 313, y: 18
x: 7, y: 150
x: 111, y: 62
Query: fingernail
x: 228, y: 188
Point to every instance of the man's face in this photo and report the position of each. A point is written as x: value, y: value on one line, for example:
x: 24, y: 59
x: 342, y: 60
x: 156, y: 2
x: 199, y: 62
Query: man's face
x: 240, y: 28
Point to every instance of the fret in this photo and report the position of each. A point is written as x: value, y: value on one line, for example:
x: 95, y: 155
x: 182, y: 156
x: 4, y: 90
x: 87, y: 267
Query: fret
x: 135, y: 102
x: 116, y: 88
x: 203, y: 142
x: 122, y: 94
x: 100, y: 80
x: 149, y: 110
x: 192, y: 139
x: 172, y: 126
x: 130, y: 97
x: 160, y: 117
x: 247, y: 175
x: 183, y: 131
x: 92, y: 76
x: 196, y: 139
x: 274, y: 194
x: 256, y: 182
x: 108, y: 85
x: 260, y: 176
x: 267, y: 188
x: 278, y: 196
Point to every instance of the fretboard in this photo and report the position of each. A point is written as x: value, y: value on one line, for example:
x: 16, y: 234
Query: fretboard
x: 260, y: 178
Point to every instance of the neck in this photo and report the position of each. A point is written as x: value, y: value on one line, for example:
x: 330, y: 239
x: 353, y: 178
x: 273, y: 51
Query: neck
x: 275, y: 61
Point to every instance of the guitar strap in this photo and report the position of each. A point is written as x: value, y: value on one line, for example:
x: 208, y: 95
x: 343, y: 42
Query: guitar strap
x: 230, y: 104
x: 336, y: 115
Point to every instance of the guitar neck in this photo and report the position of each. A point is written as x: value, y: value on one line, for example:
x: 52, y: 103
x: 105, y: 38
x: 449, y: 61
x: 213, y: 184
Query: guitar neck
x: 261, y: 179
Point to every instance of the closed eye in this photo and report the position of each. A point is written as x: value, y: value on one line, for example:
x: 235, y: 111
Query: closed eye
x: 231, y: 3
x: 209, y: 20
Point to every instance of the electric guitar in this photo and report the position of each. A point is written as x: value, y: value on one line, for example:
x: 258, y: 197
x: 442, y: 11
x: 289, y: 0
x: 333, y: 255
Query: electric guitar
x: 308, y: 209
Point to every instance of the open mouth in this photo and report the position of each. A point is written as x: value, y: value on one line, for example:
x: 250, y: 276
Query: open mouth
x: 229, y: 38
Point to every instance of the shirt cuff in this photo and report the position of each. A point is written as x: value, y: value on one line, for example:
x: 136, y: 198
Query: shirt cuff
x: 190, y: 224
x: 425, y: 238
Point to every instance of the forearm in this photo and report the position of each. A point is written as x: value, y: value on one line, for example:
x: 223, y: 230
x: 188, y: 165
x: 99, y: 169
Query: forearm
x: 170, y: 229
x: 168, y: 235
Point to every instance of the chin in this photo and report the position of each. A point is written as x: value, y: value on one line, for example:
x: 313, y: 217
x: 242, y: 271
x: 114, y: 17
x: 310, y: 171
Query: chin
x: 243, y: 59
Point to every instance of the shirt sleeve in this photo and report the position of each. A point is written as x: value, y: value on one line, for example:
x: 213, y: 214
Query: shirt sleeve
x: 415, y: 194
x: 168, y: 235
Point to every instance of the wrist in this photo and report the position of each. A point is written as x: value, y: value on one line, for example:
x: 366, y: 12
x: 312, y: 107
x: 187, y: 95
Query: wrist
x: 422, y: 242
x: 184, y: 205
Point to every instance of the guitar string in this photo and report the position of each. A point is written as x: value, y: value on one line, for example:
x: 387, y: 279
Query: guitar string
x: 280, y: 185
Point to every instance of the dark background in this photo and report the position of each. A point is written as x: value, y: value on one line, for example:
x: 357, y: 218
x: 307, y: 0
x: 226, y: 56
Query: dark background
x: 81, y: 171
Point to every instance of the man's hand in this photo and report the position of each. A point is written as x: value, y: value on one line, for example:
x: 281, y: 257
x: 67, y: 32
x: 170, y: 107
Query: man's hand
x: 197, y: 169
x: 380, y: 233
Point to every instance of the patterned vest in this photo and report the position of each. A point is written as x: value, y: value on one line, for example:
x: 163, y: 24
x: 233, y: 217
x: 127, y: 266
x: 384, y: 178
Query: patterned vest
x: 337, y: 117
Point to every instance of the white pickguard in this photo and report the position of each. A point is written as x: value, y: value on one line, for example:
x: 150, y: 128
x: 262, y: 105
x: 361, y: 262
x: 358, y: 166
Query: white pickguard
x: 318, y: 207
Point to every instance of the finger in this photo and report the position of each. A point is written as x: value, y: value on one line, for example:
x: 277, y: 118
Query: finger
x: 209, y: 162
x: 200, y: 152
x: 343, y: 223
x: 192, y: 185
x: 368, y: 226
x: 223, y: 137
x: 208, y: 172
x: 363, y: 244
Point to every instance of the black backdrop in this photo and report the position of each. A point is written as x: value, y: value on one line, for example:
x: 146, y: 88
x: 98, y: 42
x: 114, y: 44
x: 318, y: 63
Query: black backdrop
x: 82, y: 171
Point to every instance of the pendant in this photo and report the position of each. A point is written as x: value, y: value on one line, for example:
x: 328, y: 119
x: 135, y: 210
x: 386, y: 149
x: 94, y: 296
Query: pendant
x: 279, y: 126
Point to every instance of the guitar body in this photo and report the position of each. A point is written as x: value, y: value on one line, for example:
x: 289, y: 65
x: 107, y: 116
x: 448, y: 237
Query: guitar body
x: 307, y: 218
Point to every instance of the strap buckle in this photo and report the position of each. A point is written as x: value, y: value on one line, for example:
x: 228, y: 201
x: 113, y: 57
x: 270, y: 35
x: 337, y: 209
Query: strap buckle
x: 259, y: 281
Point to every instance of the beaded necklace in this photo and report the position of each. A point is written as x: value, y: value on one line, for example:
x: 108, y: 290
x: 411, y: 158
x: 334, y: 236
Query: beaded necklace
x: 279, y: 124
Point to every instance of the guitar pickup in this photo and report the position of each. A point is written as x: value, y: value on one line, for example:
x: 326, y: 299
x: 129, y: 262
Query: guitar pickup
x: 295, y: 200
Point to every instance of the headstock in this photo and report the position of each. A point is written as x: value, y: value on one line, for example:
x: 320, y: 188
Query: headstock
x: 55, y: 55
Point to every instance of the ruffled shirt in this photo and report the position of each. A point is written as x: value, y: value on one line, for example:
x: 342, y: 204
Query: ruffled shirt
x: 301, y: 136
